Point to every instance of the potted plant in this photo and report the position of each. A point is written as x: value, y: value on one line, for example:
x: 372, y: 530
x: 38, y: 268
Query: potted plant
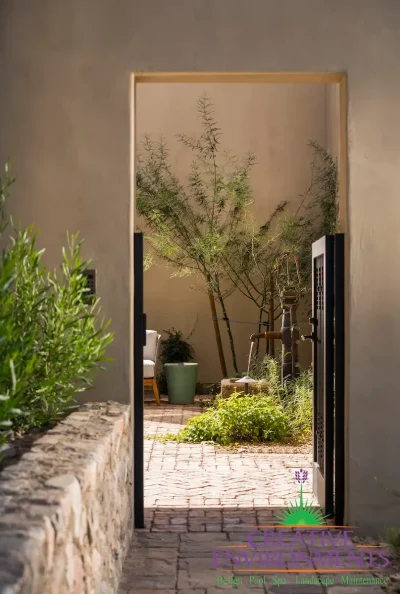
x: 181, y: 373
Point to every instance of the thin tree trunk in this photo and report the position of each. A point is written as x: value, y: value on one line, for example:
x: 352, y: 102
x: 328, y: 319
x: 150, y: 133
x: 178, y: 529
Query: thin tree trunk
x: 271, y: 316
x: 217, y: 335
x: 260, y: 317
x: 228, y: 327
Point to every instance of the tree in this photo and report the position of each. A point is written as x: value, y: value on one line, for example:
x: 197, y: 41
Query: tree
x: 193, y: 224
x: 204, y: 226
x: 265, y: 260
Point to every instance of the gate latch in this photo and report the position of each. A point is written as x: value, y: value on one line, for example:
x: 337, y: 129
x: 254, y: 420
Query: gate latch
x: 311, y: 336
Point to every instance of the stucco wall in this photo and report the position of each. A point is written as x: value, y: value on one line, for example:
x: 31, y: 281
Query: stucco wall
x: 332, y: 118
x: 65, y: 117
x: 275, y: 122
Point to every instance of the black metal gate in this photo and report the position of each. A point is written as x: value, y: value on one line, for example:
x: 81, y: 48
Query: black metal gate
x: 328, y: 370
x: 139, y: 340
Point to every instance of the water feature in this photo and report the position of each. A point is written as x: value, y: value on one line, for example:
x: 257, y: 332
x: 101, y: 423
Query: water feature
x: 246, y: 380
x: 250, y: 353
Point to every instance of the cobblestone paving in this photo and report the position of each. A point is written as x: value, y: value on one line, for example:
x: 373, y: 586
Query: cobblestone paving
x: 202, y: 501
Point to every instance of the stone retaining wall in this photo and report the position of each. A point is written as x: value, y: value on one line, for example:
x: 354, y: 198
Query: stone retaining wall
x: 66, y: 507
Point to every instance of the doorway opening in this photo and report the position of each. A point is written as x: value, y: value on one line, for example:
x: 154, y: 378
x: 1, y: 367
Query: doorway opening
x: 273, y: 116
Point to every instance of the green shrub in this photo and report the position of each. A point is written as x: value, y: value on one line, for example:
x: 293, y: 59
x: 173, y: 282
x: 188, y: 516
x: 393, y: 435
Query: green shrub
x: 51, y: 339
x: 296, y: 396
x: 175, y: 349
x: 298, y: 403
x: 280, y: 412
x: 9, y: 394
x: 235, y: 419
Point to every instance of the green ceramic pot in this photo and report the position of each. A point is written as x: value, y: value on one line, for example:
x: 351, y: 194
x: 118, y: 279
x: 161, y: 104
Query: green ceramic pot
x: 181, y: 382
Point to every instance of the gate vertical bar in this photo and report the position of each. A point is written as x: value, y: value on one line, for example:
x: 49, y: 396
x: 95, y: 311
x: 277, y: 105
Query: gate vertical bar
x: 139, y: 338
x: 323, y: 370
x: 339, y: 379
x: 329, y: 315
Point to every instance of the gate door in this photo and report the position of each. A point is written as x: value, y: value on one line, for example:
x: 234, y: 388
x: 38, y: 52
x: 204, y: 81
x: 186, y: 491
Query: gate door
x: 139, y: 340
x: 328, y: 371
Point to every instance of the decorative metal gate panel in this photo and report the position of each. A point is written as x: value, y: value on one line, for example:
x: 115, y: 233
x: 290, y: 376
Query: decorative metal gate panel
x: 328, y: 373
x: 139, y: 340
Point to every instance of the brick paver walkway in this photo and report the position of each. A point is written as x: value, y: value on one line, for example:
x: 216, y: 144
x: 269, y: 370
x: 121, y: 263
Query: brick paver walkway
x: 202, y: 501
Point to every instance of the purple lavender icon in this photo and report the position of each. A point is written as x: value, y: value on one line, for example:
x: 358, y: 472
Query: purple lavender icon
x: 301, y: 476
x: 301, y: 513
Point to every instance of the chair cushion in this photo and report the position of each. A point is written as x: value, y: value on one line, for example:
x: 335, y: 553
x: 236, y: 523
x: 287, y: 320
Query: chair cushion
x: 148, y: 369
x: 149, y: 351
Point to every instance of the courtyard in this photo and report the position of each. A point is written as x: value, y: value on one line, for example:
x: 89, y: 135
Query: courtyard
x: 200, y: 498
x: 225, y: 175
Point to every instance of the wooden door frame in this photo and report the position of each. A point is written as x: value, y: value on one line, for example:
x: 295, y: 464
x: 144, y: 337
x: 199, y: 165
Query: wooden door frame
x: 339, y: 78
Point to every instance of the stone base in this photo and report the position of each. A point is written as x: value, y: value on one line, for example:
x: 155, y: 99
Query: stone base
x: 229, y: 387
x: 66, y: 507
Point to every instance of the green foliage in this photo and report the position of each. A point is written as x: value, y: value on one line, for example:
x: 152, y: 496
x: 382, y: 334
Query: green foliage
x: 175, y: 349
x: 193, y: 224
x: 298, y: 403
x: 235, y: 419
x: 296, y: 396
x: 10, y: 397
x: 265, y: 260
x: 392, y: 538
x: 204, y: 226
x: 316, y: 215
x: 51, y: 339
x: 274, y: 413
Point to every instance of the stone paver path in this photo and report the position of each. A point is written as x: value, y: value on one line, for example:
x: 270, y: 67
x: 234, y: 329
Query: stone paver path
x: 202, y: 502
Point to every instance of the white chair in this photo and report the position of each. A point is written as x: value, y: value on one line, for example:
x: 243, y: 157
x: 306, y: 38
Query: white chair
x: 150, y: 352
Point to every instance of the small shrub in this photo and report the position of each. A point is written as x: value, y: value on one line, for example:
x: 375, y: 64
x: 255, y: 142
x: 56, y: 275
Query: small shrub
x: 51, y: 339
x: 238, y: 418
x: 296, y: 396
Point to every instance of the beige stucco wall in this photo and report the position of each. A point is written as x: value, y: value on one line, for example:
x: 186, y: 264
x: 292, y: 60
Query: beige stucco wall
x: 65, y: 116
x: 332, y: 121
x: 273, y: 121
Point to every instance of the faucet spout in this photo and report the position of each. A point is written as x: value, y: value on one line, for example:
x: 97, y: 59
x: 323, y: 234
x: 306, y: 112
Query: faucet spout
x: 254, y: 337
x: 269, y: 335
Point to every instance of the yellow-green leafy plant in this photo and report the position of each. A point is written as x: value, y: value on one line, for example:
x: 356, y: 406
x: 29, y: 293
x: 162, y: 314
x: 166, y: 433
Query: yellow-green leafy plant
x: 237, y: 419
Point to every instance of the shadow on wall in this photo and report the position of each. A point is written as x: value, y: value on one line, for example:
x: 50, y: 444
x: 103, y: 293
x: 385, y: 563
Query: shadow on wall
x: 275, y: 122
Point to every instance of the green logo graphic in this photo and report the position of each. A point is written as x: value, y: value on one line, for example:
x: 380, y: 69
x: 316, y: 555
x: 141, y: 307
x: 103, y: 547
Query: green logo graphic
x: 301, y: 513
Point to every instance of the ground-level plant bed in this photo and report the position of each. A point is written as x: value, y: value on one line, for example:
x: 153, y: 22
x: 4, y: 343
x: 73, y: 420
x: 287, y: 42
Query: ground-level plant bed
x: 280, y: 414
x: 235, y: 419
